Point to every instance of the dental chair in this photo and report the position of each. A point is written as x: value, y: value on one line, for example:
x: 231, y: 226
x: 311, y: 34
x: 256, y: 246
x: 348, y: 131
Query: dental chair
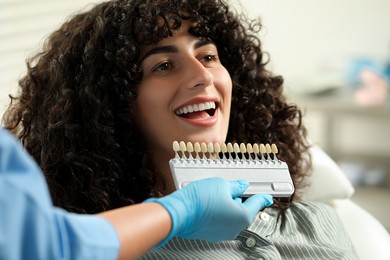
x: 329, y: 184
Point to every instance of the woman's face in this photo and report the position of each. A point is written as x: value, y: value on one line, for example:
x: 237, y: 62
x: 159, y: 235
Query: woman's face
x: 185, y: 93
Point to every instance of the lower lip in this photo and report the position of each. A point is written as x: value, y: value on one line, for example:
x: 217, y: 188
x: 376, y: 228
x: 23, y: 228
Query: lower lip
x: 210, y: 121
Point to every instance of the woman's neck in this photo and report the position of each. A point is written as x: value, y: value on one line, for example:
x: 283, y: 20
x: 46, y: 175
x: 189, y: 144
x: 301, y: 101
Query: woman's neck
x: 161, y: 167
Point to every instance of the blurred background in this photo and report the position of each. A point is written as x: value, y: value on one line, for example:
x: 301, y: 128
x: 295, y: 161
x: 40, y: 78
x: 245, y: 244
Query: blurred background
x: 334, y: 56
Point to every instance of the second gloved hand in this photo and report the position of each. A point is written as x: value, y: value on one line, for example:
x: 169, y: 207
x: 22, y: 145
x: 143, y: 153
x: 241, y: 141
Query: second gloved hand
x: 211, y: 209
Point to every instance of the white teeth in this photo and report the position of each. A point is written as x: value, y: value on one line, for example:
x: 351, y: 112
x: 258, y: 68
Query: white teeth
x: 195, y: 108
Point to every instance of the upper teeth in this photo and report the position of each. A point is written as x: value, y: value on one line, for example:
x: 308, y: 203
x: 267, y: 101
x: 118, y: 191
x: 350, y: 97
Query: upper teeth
x: 195, y: 108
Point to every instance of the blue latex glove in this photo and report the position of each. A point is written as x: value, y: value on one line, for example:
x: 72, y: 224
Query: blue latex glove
x: 211, y: 209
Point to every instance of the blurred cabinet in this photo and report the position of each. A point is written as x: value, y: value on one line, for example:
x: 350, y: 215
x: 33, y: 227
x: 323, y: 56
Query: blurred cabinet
x: 348, y: 132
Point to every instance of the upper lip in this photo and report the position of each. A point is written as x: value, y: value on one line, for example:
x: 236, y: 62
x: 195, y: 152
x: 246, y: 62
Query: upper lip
x: 197, y: 104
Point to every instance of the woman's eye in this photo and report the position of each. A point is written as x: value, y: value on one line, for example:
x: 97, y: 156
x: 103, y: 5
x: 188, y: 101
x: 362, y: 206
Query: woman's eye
x: 162, y: 67
x: 209, y: 58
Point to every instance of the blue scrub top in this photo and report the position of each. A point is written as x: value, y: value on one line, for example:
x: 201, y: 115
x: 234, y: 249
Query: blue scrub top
x: 31, y: 227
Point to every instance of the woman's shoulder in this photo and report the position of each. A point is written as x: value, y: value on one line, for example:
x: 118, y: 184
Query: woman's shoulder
x: 317, y: 213
x: 318, y: 219
x: 312, y: 205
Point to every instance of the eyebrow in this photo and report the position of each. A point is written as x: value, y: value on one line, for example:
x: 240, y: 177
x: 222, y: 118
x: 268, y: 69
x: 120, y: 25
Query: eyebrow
x: 173, y: 49
x: 157, y: 50
x: 201, y: 42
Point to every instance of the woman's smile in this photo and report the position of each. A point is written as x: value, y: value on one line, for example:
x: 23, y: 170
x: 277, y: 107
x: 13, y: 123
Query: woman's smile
x: 199, y: 113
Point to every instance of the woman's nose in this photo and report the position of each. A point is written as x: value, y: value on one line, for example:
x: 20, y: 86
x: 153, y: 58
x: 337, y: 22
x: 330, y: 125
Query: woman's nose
x: 197, y: 75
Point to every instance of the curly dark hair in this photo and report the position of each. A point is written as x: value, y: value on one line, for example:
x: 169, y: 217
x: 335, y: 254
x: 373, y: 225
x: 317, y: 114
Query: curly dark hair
x: 73, y: 112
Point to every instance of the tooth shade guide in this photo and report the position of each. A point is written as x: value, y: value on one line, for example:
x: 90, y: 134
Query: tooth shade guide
x: 176, y: 148
x: 249, y: 148
x: 256, y: 151
x: 262, y: 148
x: 203, y: 147
x: 263, y: 151
x: 210, y: 148
x: 268, y: 175
x: 217, y: 147
x: 242, y: 152
x: 190, y: 150
x: 268, y: 150
x: 197, y: 147
x: 183, y: 149
x: 217, y: 150
x: 223, y: 150
x: 230, y: 148
x: 274, y: 149
x: 236, y: 150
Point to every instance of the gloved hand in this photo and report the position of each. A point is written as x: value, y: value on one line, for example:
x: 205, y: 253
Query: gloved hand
x: 211, y: 209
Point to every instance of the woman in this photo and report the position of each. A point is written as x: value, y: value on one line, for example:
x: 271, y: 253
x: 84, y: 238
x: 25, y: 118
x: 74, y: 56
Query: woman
x: 102, y: 103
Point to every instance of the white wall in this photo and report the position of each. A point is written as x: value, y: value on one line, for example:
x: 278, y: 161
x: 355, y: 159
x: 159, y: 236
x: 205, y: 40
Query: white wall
x: 311, y: 41
x: 308, y: 40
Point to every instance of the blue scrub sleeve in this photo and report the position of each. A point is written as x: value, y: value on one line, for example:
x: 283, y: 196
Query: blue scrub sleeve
x: 31, y: 227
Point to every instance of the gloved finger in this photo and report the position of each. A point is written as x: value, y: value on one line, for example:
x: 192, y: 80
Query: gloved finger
x: 258, y: 202
x: 238, y: 200
x: 238, y: 187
